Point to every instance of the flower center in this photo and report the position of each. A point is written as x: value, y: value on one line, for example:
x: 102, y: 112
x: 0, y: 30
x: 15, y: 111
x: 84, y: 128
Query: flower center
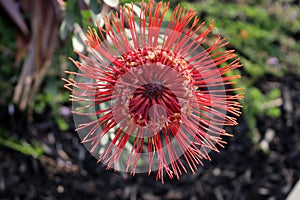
x: 153, y: 104
x: 154, y: 90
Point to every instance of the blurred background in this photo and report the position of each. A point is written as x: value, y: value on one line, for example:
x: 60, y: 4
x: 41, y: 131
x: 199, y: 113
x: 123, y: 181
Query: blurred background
x: 40, y: 153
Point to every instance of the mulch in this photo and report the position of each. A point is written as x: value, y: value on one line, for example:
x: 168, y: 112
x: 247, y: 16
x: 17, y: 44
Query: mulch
x: 240, y: 171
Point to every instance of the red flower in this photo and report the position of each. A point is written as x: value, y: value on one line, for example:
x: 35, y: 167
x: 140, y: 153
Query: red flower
x: 152, y: 98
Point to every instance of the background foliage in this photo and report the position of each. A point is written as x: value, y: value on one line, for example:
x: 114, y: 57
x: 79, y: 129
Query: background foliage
x: 265, y: 34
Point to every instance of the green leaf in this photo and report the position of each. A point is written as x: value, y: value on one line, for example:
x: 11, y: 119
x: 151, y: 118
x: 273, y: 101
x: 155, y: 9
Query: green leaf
x: 94, y: 5
x: 63, y: 30
x: 22, y: 146
x: 111, y: 3
x: 62, y: 125
x: 274, y: 94
x: 129, y: 1
x: 78, y: 38
x: 73, y: 13
x: 273, y: 112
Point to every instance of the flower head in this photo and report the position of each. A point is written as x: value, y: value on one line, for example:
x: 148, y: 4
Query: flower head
x: 148, y: 96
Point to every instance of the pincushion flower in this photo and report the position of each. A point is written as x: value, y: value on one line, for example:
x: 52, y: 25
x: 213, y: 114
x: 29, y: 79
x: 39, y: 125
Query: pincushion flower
x: 149, y: 97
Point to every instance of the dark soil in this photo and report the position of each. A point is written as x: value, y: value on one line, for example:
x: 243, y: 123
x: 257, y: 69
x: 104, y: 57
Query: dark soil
x: 240, y: 171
